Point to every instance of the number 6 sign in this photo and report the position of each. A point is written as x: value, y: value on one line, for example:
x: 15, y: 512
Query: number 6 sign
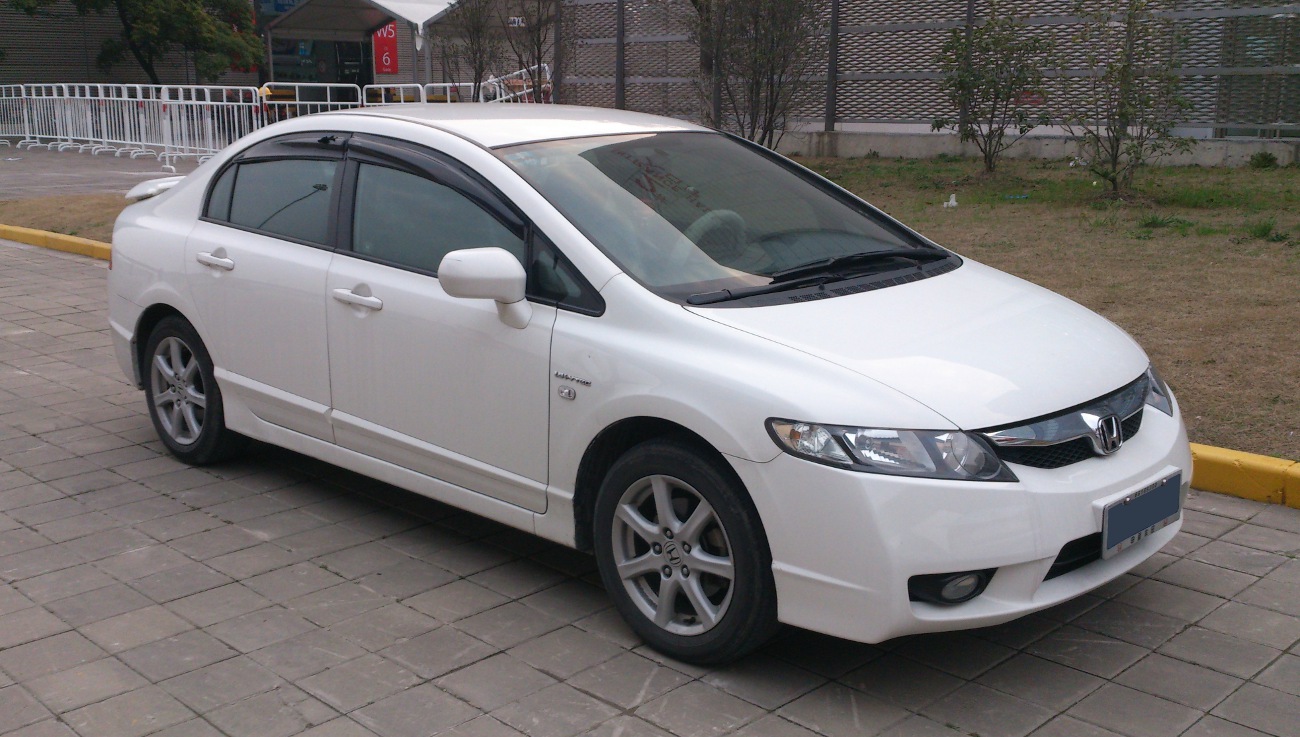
x: 385, y: 44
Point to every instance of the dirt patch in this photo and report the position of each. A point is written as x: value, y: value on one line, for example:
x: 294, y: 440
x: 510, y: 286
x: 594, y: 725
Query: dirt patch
x: 88, y: 216
x: 1202, y: 268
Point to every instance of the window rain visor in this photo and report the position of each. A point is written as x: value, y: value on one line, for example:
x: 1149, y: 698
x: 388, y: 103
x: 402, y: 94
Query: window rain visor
x: 692, y: 213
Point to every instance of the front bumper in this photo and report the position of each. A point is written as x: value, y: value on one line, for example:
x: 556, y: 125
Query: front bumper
x: 844, y: 544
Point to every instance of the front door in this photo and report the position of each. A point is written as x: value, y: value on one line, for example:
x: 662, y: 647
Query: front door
x: 421, y: 379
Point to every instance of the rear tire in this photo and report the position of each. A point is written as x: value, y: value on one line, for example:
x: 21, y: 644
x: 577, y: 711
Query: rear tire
x: 681, y: 551
x: 183, y: 397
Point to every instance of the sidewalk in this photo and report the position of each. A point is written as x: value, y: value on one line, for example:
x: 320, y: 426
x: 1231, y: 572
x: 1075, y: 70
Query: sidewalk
x: 279, y: 596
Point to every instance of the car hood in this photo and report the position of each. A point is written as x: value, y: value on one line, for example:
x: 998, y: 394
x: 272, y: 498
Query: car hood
x: 978, y: 346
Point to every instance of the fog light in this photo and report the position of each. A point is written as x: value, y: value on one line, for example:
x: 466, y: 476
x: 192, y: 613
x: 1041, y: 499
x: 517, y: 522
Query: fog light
x: 960, y: 588
x: 949, y: 588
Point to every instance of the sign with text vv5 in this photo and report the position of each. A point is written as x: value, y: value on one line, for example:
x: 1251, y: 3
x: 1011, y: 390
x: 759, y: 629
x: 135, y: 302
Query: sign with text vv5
x: 385, y: 44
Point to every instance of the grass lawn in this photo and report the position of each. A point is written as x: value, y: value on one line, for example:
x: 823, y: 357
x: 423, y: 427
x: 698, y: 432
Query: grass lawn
x: 1202, y: 266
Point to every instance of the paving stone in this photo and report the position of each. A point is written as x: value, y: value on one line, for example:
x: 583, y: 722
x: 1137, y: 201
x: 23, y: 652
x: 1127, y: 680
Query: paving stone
x: 1224, y: 653
x: 386, y: 626
x: 832, y: 710
x: 1134, y: 712
x: 975, y: 708
x: 1279, y: 517
x: 1178, y: 681
x: 508, y: 625
x: 1209, y: 579
x: 1252, y: 623
x: 221, y: 683
x: 958, y: 653
x: 172, y: 656
x: 11, y: 600
x: 629, y: 680
x: 469, y: 558
x: 281, y: 524
x: 256, y: 630
x: 136, y: 628
x: 358, y: 682
x: 1184, y: 543
x: 1277, y: 595
x: 1041, y: 681
x: 181, y: 581
x: 183, y: 524
x: 254, y: 560
x: 19, y: 709
x: 565, y: 651
x: 132, y: 714
x: 494, y: 682
x: 37, y: 561
x: 1238, y: 558
x: 50, y: 655
x: 456, y: 600
x: 219, y: 604
x: 1068, y: 726
x: 518, y: 578
x: 556, y: 711
x: 360, y: 560
x: 47, y: 728
x: 98, y: 605
x: 1259, y: 707
x: 486, y: 726
x: 108, y: 543
x: 1131, y: 624
x: 1288, y: 572
x: 216, y: 542
x: 901, y: 681
x: 821, y: 654
x: 1089, y: 652
x: 624, y: 726
x: 26, y: 625
x: 415, y: 712
x: 341, y: 727
x: 307, y: 654
x: 337, y: 603
x: 1212, y: 726
x: 136, y: 564
x: 84, y: 684
x: 1265, y: 538
x: 192, y: 728
x: 408, y: 578
x: 279, y: 713
x: 915, y: 726
x: 439, y: 652
x: 764, y: 681
x: 291, y: 582
x: 1223, y: 505
x: 1170, y: 600
x: 74, y: 527
x: 62, y: 584
x: 1283, y: 675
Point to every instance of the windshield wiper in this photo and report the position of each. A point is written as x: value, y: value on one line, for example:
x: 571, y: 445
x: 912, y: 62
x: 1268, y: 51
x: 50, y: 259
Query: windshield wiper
x: 726, y: 295
x: 841, y: 266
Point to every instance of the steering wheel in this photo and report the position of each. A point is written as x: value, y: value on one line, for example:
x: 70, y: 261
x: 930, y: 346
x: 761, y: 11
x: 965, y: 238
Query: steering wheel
x: 720, y: 234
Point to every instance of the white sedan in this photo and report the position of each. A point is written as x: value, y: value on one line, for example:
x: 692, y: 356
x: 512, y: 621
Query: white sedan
x: 755, y: 397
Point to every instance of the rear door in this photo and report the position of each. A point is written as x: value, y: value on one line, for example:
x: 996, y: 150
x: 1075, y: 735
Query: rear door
x: 256, y: 265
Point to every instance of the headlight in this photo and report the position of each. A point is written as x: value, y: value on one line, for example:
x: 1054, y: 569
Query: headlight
x: 1158, y: 395
x: 939, y: 454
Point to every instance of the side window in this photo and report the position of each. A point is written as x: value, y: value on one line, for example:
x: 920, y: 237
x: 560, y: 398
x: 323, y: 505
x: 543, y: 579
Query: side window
x: 553, y: 279
x: 412, y: 221
x: 288, y: 197
x: 219, y: 198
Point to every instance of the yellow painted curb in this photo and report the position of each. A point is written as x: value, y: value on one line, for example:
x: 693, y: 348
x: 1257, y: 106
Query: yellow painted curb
x: 56, y: 241
x: 1246, y: 475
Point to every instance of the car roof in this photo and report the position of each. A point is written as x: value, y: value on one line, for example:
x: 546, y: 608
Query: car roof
x: 503, y: 124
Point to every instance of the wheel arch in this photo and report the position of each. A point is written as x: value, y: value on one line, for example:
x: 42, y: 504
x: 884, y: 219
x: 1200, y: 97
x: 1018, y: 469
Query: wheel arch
x: 610, y: 444
x: 144, y: 326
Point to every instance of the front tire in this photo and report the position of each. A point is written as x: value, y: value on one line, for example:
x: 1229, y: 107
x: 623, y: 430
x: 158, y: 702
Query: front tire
x: 183, y: 397
x: 682, y: 552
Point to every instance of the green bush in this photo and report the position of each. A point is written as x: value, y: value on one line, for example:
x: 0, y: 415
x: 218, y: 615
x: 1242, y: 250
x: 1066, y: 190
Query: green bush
x: 1263, y: 160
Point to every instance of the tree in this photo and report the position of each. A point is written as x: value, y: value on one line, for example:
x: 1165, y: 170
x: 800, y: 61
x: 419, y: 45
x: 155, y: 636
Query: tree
x: 218, y: 34
x: 1130, y: 104
x: 993, y: 72
x: 478, y: 38
x: 531, y: 38
x: 757, y: 54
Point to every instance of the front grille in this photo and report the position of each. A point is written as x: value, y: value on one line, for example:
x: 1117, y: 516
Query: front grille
x: 1063, y: 454
x: 1075, y: 555
x: 1048, y: 456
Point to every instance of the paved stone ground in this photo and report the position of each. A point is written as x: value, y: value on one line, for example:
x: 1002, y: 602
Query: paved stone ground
x: 28, y: 173
x: 278, y: 596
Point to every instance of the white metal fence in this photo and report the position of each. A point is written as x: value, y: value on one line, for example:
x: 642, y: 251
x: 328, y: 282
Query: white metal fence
x: 169, y: 122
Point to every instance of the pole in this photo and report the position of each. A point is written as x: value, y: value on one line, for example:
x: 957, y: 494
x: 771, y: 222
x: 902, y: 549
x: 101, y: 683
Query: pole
x: 620, y: 55
x: 415, y: 57
x: 270, y: 59
x: 428, y: 53
x: 833, y: 66
x: 963, y: 114
x: 557, y: 78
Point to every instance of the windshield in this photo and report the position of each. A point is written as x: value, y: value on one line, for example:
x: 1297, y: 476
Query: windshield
x: 691, y: 213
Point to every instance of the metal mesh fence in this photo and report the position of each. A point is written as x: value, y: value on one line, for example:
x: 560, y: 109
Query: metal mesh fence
x: 1239, y: 61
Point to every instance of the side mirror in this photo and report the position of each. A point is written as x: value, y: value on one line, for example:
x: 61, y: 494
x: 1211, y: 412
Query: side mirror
x: 488, y: 273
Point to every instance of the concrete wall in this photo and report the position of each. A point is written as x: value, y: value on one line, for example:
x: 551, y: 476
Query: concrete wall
x: 1209, y: 152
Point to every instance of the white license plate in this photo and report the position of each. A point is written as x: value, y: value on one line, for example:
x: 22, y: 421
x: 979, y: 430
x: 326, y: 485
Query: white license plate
x: 1138, y: 514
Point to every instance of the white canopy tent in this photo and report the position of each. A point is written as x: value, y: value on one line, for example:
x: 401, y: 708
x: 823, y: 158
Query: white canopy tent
x: 356, y: 20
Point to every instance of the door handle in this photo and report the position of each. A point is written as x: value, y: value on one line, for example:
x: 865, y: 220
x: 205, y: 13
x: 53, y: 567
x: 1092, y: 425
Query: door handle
x: 208, y: 259
x: 347, y: 296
